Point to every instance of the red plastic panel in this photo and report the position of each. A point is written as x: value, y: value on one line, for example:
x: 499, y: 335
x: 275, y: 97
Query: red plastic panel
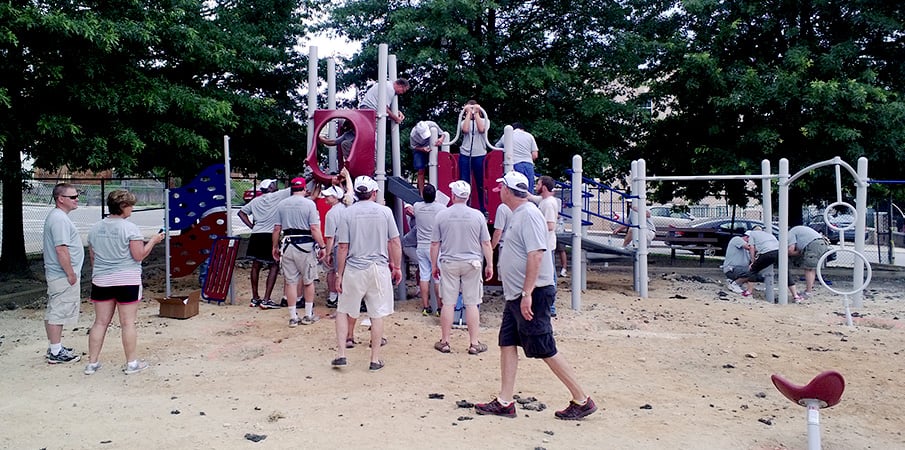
x: 447, y: 171
x: 362, y: 158
x: 322, y: 208
x: 826, y: 387
x: 220, y: 271
x: 493, y: 170
x: 192, y: 246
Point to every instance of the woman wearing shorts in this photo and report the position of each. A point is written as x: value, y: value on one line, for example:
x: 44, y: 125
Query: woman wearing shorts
x: 117, y: 248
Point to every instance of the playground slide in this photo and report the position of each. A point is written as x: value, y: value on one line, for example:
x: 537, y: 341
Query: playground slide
x: 593, y: 247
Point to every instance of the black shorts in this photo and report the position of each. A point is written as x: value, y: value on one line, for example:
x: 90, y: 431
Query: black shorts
x: 534, y: 336
x: 260, y: 247
x: 122, y: 294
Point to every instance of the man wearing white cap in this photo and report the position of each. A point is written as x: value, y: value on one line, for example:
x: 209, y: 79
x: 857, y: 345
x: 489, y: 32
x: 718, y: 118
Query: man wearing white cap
x: 368, y: 265
x: 425, y: 214
x: 334, y: 196
x: 460, y: 239
x: 419, y: 141
x: 299, y: 222
x: 263, y: 212
x: 527, y: 275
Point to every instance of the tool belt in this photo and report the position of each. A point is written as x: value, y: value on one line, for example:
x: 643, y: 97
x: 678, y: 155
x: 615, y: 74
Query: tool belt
x: 301, y: 240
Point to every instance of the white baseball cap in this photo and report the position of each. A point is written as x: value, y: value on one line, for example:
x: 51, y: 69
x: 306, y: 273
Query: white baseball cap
x: 364, y: 184
x: 266, y: 183
x: 422, y: 129
x: 333, y: 191
x: 460, y: 189
x: 515, y: 181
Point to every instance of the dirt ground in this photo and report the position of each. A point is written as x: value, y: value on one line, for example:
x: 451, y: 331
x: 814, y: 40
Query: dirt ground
x: 686, y: 368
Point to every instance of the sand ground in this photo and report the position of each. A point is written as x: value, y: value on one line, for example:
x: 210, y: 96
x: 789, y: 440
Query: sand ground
x: 686, y: 368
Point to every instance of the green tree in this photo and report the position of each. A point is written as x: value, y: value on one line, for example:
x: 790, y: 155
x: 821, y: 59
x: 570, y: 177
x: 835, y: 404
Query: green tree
x: 145, y: 87
x: 552, y: 65
x: 738, y: 82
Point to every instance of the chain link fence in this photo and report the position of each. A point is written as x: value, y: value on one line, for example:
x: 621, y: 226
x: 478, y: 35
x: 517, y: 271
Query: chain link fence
x: 148, y: 214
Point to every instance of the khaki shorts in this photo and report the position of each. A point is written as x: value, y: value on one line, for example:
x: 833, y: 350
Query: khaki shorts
x: 374, y: 285
x: 464, y: 277
x: 63, y: 301
x: 297, y: 264
x: 811, y: 254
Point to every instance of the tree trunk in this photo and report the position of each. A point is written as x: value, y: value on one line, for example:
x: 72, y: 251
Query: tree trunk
x: 12, y: 254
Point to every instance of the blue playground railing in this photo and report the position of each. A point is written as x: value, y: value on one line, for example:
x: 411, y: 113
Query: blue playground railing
x: 598, y: 200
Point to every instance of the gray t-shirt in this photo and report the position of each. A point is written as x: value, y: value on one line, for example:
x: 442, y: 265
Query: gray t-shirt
x: 344, y: 143
x: 762, y: 241
x: 370, y: 99
x: 460, y: 230
x: 800, y: 236
x: 110, y: 240
x: 297, y: 212
x: 473, y: 141
x: 501, y: 219
x: 523, y: 144
x: 367, y: 226
x: 425, y: 217
x: 527, y: 232
x: 549, y: 207
x: 416, y: 140
x: 59, y: 230
x: 736, y: 254
x: 332, y: 219
x: 263, y: 210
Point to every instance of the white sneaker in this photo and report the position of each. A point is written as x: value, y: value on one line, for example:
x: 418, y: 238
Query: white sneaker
x: 563, y: 273
x: 733, y: 286
x: 366, y: 322
x: 135, y: 367
x: 91, y: 368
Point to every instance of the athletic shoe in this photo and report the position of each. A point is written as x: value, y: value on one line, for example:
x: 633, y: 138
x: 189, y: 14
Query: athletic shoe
x: 733, y: 286
x: 746, y: 294
x: 294, y: 322
x: 427, y: 311
x: 332, y: 303
x: 92, y: 367
x: 66, y: 355
x: 284, y: 303
x: 563, y: 273
x: 308, y: 320
x: 254, y: 303
x: 132, y: 369
x: 269, y: 304
x: 495, y: 408
x: 575, y: 411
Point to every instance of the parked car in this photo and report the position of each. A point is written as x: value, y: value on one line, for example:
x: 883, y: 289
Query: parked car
x: 721, y: 228
x: 663, y: 216
x: 839, y: 221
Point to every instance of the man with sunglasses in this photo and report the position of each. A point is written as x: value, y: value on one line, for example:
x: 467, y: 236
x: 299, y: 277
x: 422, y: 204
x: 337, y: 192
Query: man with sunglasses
x: 63, y: 257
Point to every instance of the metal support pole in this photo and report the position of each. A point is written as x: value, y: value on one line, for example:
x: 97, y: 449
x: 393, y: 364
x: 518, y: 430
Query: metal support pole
x: 578, y: 269
x: 860, y: 228
x: 312, y: 94
x: 381, y: 171
x: 507, y: 148
x: 641, y: 186
x: 782, y: 263
x: 331, y: 104
x: 229, y: 209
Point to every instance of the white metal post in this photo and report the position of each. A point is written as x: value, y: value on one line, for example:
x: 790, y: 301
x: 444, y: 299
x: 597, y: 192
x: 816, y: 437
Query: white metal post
x: 578, y: 269
x: 166, y: 251
x: 229, y: 209
x: 381, y: 171
x: 641, y: 186
x: 860, y: 228
x: 312, y: 94
x: 507, y: 148
x: 782, y: 262
x: 813, y: 409
x: 331, y: 104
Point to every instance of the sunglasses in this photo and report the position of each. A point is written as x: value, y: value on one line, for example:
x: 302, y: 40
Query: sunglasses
x: 73, y: 197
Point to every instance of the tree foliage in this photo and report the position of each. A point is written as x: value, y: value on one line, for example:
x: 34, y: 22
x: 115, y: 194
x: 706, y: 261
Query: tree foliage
x: 738, y: 82
x: 146, y: 86
x: 551, y: 65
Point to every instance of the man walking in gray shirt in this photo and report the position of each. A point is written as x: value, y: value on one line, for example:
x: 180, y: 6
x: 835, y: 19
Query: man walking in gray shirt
x: 368, y: 265
x: 527, y: 276
x: 459, y: 240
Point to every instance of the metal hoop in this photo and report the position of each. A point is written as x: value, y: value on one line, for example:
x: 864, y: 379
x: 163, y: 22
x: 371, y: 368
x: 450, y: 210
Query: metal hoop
x: 826, y: 217
x: 856, y: 253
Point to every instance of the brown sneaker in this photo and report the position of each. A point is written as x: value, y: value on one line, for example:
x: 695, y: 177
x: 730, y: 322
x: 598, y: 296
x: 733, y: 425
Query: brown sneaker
x: 575, y: 411
x: 495, y: 408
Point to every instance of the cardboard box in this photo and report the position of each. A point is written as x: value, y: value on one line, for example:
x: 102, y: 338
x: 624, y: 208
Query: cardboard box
x: 180, y: 306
